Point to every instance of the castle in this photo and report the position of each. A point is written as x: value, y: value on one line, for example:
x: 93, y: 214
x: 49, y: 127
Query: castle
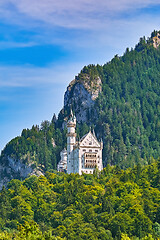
x: 81, y: 156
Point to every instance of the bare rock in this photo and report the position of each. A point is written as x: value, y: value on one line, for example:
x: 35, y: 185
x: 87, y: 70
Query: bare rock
x: 81, y: 94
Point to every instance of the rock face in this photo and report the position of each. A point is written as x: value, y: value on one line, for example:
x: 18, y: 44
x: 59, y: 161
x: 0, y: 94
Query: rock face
x: 16, y: 169
x: 81, y: 94
x: 156, y: 41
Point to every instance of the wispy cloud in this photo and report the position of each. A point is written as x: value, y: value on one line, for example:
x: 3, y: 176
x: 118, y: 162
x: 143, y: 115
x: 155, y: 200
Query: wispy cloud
x: 12, y: 44
x: 87, y: 31
x: 72, y: 23
x: 28, y: 76
x: 71, y: 13
x: 50, y: 20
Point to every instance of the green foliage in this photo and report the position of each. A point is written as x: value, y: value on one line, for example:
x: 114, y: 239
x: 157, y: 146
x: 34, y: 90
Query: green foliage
x: 125, y: 115
x: 39, y: 147
x: 128, y: 107
x: 112, y: 204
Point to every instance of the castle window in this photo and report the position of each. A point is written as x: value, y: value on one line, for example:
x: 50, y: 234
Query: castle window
x: 84, y: 150
x: 90, y: 150
x: 90, y: 143
x: 96, y: 150
x: 90, y: 160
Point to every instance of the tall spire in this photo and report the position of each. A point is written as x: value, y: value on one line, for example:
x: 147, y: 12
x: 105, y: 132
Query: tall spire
x: 71, y: 141
x: 72, y: 117
x: 71, y: 113
x: 94, y: 133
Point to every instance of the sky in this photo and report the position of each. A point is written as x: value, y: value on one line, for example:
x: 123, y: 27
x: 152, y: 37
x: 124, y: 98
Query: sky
x: 44, y: 44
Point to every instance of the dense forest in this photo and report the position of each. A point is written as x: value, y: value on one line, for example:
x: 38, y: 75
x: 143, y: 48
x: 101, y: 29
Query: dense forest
x: 112, y: 204
x: 122, y: 201
x: 126, y: 115
x: 127, y: 112
x: 40, y: 145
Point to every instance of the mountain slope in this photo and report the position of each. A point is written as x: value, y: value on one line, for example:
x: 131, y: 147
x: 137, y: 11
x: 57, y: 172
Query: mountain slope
x: 126, y: 113
x: 113, y: 204
x: 120, y: 99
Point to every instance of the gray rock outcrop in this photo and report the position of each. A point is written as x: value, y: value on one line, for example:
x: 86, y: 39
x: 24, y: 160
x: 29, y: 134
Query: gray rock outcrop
x: 16, y: 169
x: 81, y: 94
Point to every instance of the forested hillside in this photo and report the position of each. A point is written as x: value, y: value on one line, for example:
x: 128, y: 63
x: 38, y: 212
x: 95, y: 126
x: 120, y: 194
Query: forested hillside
x: 112, y: 204
x: 129, y: 106
x: 126, y: 114
x: 40, y: 145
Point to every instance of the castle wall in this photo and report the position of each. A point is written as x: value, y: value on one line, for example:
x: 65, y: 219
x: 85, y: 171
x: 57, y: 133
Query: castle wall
x: 98, y: 152
x: 84, y: 156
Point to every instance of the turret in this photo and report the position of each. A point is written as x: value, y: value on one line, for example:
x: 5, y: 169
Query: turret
x: 71, y: 135
x: 101, y: 143
x: 71, y: 141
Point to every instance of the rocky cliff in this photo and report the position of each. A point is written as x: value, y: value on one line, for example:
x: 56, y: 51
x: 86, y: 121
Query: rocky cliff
x: 81, y: 95
x: 11, y: 168
x: 121, y: 99
x: 27, y: 154
x: 38, y: 144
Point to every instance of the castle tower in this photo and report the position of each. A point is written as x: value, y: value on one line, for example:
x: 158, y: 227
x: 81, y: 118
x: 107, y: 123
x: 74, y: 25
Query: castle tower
x: 71, y: 141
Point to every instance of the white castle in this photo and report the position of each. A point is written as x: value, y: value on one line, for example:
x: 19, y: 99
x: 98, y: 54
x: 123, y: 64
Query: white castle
x: 80, y: 156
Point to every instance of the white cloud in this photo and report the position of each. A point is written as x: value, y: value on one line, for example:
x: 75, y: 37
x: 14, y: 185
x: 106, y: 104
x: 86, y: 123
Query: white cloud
x: 107, y: 32
x: 70, y: 13
x: 28, y: 76
x: 11, y: 44
x: 101, y: 21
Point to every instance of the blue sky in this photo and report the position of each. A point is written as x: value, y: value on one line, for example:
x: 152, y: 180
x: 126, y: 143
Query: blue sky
x: 45, y: 43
